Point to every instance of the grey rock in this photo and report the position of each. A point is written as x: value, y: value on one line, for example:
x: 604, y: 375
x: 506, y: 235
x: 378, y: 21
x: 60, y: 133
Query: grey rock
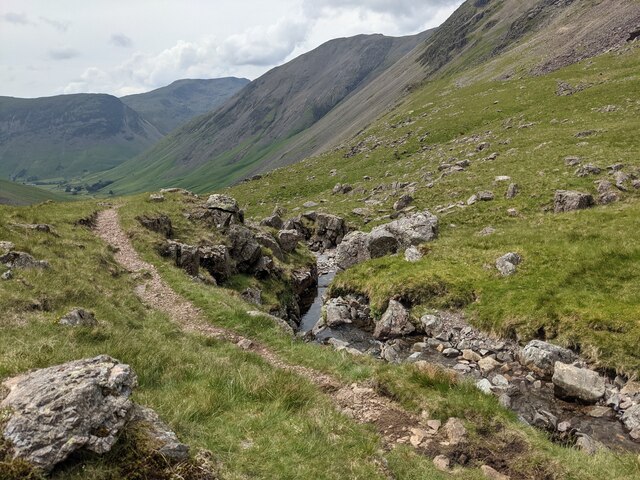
x: 572, y: 161
x: 223, y: 202
x: 588, y: 445
x: 352, y: 250
x: 442, y: 463
x: 451, y: 352
x: 244, y: 249
x: 329, y: 230
x: 395, y: 322
x: 507, y: 264
x: 455, y: 431
x: 185, y: 256
x: 58, y: 410
x: 217, y: 261
x: 252, y: 295
x: 504, y: 400
x: 267, y: 240
x: 485, y: 196
x: 79, y: 317
x: 309, y: 204
x: 512, y: 191
x: 586, y: 170
x: 403, y: 202
x: 159, y: 223
x: 543, y: 356
x: 342, y: 188
x: 431, y: 324
x: 8, y: 275
x: 337, y: 312
x: 158, y: 436
x: 621, y: 180
x: 485, y: 232
x: 568, y: 200
x: 156, y: 197
x: 484, y: 386
x: 412, y: 254
x: 6, y: 247
x: 577, y: 383
x: 288, y: 240
x: 16, y: 260
x: 472, y: 200
x: 414, y: 229
x: 631, y: 418
x: 381, y: 242
x: 273, y: 221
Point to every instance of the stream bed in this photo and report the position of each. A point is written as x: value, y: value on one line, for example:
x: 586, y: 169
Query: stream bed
x: 528, y: 393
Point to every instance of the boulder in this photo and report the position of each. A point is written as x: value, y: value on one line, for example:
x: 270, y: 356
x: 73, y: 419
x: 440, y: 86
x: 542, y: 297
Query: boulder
x: 244, y: 248
x: 507, y: 264
x: 160, y: 224
x: 273, y: 221
x: 185, y: 256
x: 156, y: 197
x: 56, y: 411
x: 297, y: 225
x: 223, y: 202
x: 217, y: 261
x: 328, y: 232
x: 543, y: 356
x: 158, y: 436
x: 337, y: 312
x: 403, y: 202
x: 381, y: 242
x: 577, y: 383
x: 492, y: 474
x: 16, y: 260
x: 352, y: 250
x: 485, y: 196
x: 587, y: 169
x: 455, y: 431
x: 79, y: 317
x: 288, y: 240
x: 267, y: 240
x: 414, y: 229
x: 631, y: 418
x: 568, y: 200
x: 395, y: 322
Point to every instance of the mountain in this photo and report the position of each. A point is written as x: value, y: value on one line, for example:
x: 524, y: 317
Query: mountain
x: 280, y: 118
x: 169, y: 107
x: 16, y: 194
x: 69, y: 135
x: 220, y: 147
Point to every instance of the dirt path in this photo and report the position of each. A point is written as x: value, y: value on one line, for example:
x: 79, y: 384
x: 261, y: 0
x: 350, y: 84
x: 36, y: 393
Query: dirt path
x: 360, y: 402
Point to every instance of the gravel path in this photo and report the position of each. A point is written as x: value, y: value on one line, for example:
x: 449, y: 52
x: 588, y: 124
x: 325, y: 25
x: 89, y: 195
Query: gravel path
x: 361, y: 402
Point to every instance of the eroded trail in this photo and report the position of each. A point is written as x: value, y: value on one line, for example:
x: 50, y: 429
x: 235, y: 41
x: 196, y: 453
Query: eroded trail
x: 360, y: 402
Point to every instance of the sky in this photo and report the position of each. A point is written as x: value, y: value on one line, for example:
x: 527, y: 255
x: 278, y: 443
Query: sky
x: 132, y: 46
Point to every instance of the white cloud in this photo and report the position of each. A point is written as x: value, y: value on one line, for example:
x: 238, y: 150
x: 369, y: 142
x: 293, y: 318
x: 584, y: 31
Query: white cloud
x: 16, y: 18
x: 61, y: 26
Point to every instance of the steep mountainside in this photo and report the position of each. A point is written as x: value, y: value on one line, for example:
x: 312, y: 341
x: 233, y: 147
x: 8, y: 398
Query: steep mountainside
x: 16, y: 194
x: 538, y: 35
x: 68, y: 135
x: 266, y: 113
x: 174, y: 105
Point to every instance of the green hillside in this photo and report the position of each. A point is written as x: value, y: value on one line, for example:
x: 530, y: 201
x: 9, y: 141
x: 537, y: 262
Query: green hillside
x: 174, y: 105
x: 16, y: 194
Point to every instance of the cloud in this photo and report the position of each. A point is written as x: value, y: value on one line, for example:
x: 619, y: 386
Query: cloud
x: 64, y: 53
x: 16, y: 18
x: 121, y: 40
x: 263, y: 46
x: 61, y: 26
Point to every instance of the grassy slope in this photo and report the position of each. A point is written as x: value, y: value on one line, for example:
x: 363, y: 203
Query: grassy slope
x: 16, y: 194
x: 258, y: 421
x: 578, y: 283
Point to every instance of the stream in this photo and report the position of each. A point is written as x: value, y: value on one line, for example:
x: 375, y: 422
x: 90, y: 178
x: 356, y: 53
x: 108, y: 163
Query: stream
x: 529, y: 395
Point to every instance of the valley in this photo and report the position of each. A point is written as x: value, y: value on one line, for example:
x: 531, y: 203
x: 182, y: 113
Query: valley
x: 427, y: 270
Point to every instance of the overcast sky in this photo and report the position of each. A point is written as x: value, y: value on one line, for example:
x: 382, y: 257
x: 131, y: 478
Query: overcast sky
x: 130, y: 46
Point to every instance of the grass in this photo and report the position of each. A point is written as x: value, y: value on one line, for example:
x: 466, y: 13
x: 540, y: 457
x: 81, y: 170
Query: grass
x: 578, y: 283
x: 16, y: 194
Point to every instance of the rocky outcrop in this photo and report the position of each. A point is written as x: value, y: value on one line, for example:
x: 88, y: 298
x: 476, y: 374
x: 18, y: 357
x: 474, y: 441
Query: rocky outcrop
x: 216, y: 260
x: 578, y: 383
x: 353, y: 250
x: 273, y: 221
x: 543, y: 356
x: 329, y: 230
x: 414, y: 229
x: 224, y: 211
x: 288, y: 240
x: 184, y: 256
x: 244, y: 248
x: 23, y: 260
x: 79, y: 317
x: 386, y: 239
x: 58, y: 410
x: 395, y: 322
x: 160, y: 224
x: 568, y: 200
